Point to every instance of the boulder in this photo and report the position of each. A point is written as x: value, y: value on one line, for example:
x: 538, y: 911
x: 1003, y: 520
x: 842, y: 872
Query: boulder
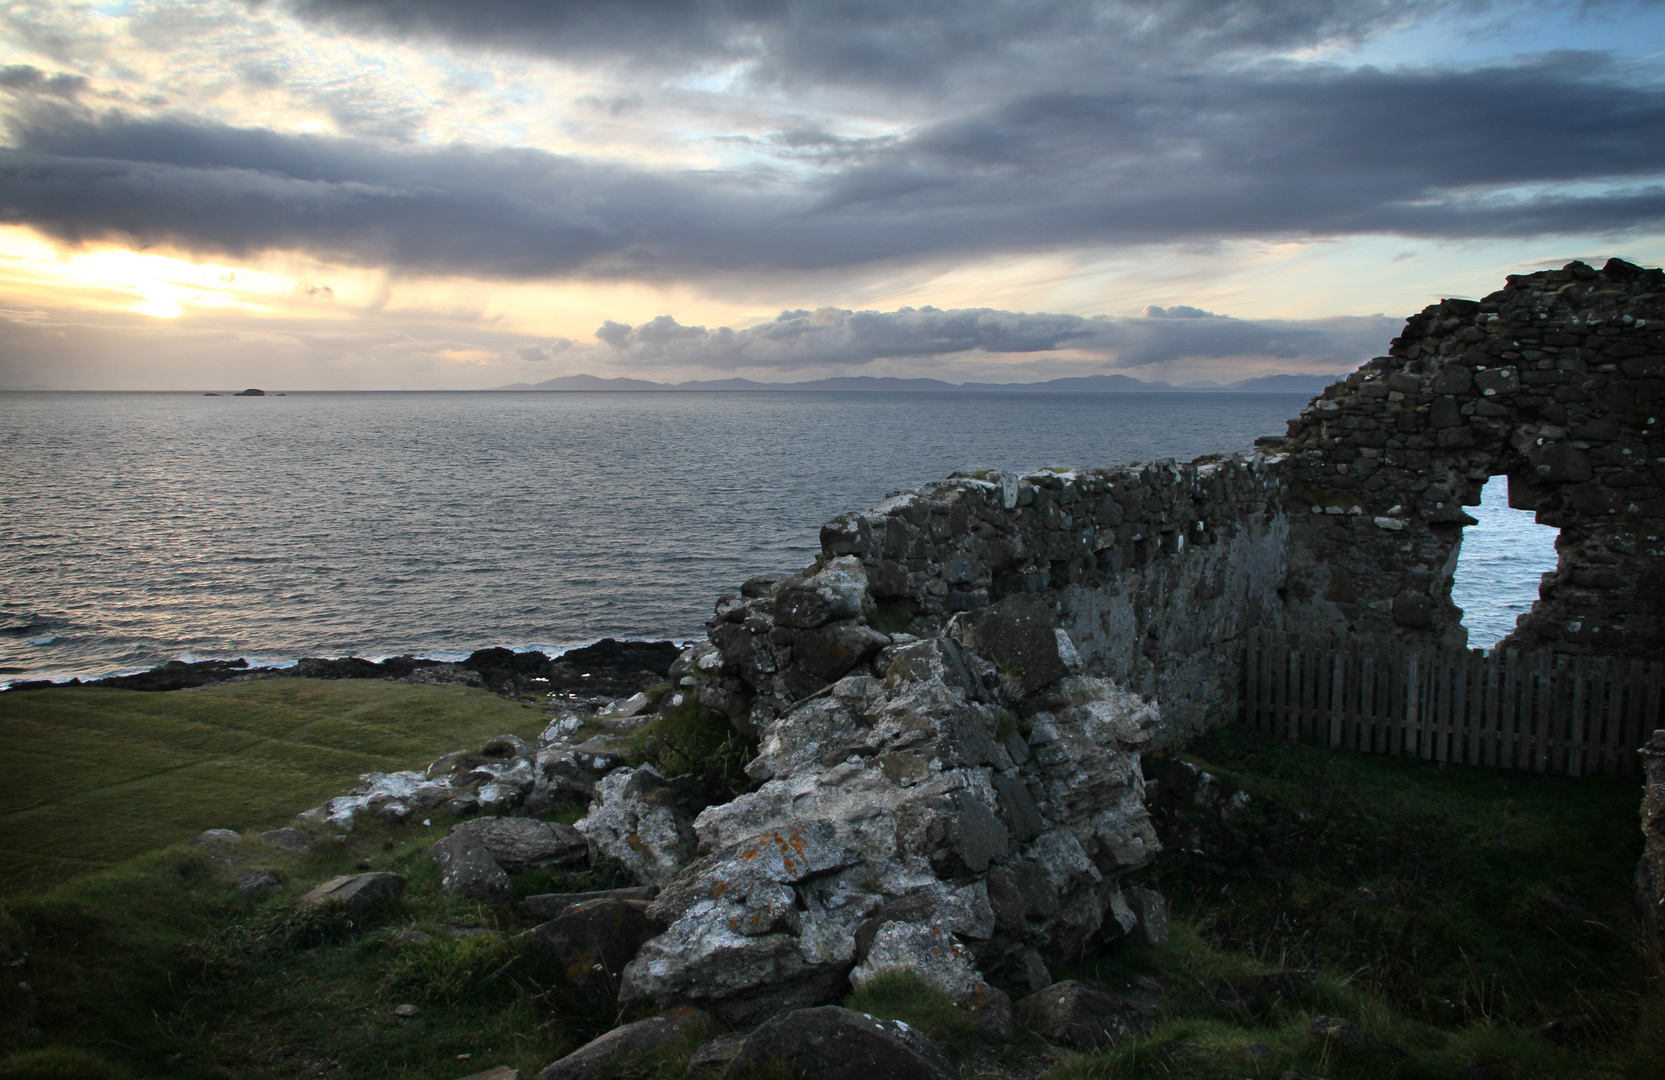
x: 992, y: 1009
x: 589, y: 944
x: 837, y: 592
x: 214, y: 837
x: 831, y: 1043
x: 610, y: 1054
x: 553, y: 905
x: 379, y: 790
x: 519, y: 843
x: 467, y: 869
x: 1077, y: 1016
x: 287, y: 838
x: 713, y: 1058
x: 357, y: 891
x: 636, y: 819
x: 257, y: 882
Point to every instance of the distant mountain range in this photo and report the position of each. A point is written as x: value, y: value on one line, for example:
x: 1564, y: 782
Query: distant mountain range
x: 1115, y: 384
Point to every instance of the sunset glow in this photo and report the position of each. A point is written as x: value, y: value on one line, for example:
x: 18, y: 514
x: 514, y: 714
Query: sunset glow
x: 481, y: 201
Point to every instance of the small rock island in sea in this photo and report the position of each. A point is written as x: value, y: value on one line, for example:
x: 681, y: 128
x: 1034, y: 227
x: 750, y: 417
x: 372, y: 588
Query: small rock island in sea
x: 250, y: 392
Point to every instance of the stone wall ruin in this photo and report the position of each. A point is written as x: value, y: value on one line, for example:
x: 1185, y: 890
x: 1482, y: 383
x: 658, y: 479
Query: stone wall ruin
x: 1555, y: 382
x: 951, y: 704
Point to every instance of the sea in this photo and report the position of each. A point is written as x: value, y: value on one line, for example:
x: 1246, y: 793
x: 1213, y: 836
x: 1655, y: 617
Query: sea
x: 137, y: 528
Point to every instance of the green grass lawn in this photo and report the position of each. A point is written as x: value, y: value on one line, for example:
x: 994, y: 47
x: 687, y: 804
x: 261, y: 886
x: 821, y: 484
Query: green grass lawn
x: 97, y: 776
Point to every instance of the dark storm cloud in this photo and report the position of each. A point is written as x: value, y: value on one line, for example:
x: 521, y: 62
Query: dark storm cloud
x: 876, y: 42
x: 1512, y: 151
x: 25, y: 79
x: 834, y: 337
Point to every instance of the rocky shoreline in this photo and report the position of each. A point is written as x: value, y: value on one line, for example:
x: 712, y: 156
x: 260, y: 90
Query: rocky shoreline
x: 582, y: 677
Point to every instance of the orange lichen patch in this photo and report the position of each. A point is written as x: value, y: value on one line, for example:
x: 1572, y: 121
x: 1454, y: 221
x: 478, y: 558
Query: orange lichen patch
x: 580, y: 969
x: 635, y: 842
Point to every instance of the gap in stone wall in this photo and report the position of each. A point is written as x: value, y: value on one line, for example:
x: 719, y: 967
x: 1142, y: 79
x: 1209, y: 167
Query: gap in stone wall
x: 1499, y: 566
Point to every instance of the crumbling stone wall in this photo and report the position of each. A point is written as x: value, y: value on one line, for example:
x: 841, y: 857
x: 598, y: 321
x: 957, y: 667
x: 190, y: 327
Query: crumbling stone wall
x: 1556, y: 381
x: 1350, y: 523
x: 1154, y: 570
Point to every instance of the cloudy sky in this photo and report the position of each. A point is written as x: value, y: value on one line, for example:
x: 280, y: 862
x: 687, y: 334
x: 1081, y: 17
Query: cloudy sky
x: 439, y: 194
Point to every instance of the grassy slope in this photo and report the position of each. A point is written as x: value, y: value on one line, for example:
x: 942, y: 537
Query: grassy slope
x: 1418, y: 893
x: 96, y: 776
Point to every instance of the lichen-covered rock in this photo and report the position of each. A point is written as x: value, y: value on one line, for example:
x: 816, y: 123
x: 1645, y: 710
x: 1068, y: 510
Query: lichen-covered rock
x: 388, y: 795
x: 880, y: 838
x: 588, y: 944
x: 637, y: 820
x: 467, y: 869
x: 838, y: 591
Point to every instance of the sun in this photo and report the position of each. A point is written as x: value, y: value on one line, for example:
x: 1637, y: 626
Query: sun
x: 160, y: 309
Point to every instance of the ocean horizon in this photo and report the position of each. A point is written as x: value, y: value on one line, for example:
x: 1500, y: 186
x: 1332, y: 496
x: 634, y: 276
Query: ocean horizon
x: 146, y: 526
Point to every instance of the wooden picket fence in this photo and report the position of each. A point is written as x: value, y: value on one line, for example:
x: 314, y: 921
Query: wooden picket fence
x: 1532, y: 711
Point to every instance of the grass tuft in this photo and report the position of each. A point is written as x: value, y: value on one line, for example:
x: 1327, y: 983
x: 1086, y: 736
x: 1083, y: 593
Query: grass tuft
x: 901, y: 994
x: 692, y: 740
